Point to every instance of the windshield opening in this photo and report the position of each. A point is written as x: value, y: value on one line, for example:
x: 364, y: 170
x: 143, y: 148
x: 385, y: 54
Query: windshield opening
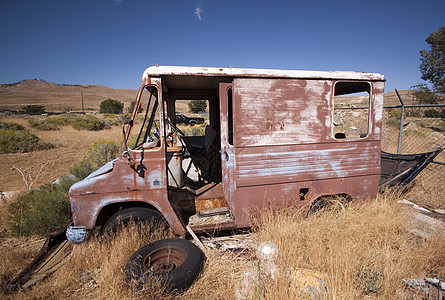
x: 145, y: 131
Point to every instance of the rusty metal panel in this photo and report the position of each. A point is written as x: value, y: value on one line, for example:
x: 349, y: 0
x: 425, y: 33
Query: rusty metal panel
x: 282, y: 111
x: 280, y: 164
x: 250, y: 199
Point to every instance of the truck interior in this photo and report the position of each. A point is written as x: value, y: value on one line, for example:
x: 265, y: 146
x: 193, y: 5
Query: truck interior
x: 194, y: 172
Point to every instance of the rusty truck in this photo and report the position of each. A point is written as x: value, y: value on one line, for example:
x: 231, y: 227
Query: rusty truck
x: 272, y: 136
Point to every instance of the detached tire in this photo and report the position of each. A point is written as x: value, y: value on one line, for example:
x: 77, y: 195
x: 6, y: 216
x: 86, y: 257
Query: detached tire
x: 173, y: 263
x: 136, y: 214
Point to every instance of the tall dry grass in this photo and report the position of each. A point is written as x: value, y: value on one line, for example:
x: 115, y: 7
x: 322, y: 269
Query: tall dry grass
x: 363, y: 251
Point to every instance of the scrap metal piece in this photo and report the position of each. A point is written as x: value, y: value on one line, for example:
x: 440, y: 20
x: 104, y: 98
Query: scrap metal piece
x: 402, y: 169
x: 55, y: 249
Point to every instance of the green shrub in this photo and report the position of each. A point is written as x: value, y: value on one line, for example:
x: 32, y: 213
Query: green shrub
x: 88, y: 122
x: 42, y: 125
x: 62, y: 120
x: 34, y: 109
x: 196, y: 106
x: 432, y: 113
x: 111, y: 106
x: 413, y: 113
x: 11, y: 126
x: 13, y: 141
x: 42, y: 211
x: 98, y: 155
x: 396, y: 114
x: 414, y: 132
x: 194, y: 131
x: 82, y: 169
x: 112, y: 120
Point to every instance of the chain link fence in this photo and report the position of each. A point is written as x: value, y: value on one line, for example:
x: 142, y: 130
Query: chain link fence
x: 414, y: 128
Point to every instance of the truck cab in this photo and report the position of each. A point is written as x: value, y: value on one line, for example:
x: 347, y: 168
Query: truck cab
x: 279, y: 137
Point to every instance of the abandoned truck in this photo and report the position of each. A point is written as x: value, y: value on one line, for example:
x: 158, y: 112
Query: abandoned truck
x: 272, y: 136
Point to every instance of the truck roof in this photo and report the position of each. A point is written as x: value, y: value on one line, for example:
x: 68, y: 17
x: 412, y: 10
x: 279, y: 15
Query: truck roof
x: 155, y: 71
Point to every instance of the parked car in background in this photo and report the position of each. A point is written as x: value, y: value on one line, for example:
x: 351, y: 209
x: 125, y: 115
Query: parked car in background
x: 183, y: 119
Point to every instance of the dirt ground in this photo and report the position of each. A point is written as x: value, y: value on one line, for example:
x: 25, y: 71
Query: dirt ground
x: 71, y: 146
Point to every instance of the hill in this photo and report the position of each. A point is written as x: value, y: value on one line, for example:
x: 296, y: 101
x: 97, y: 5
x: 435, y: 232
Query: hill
x: 64, y: 97
x: 59, y: 97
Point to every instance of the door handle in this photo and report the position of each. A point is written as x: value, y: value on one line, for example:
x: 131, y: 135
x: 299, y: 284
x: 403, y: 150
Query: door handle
x: 226, y: 154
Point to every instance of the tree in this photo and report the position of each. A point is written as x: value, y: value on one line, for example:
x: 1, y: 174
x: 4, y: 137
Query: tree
x: 131, y: 107
x: 196, y: 106
x: 111, y: 106
x: 433, y: 61
x: 34, y: 109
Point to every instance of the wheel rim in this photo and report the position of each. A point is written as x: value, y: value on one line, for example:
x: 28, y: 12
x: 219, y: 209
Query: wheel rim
x: 164, y: 260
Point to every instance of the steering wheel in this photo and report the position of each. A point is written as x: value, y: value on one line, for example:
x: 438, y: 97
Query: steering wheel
x: 170, y: 132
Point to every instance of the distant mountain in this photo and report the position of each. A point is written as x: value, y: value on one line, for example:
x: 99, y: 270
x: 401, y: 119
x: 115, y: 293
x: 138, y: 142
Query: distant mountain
x: 59, y: 97
x: 62, y: 97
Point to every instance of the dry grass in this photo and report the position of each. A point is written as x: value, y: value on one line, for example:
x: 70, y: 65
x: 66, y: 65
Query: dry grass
x: 367, y: 236
x: 370, y: 236
x: 95, y: 270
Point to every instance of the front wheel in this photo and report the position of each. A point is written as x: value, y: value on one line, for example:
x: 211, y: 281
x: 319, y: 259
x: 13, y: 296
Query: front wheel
x: 173, y: 263
x: 139, y: 215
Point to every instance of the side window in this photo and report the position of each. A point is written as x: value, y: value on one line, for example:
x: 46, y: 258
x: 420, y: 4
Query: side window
x: 351, y: 110
x: 145, y: 132
x: 192, y: 116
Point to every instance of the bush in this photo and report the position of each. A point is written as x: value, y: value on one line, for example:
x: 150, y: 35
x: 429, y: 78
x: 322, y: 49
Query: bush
x: 394, y: 118
x: 42, y: 211
x: 111, y: 119
x: 42, y: 125
x: 111, y: 106
x: 34, y: 109
x: 432, y: 113
x: 11, y: 126
x: 98, y: 155
x: 88, y: 122
x: 194, y: 131
x: 82, y: 169
x: 196, y: 106
x: 13, y: 141
x: 62, y: 120
x: 414, y: 132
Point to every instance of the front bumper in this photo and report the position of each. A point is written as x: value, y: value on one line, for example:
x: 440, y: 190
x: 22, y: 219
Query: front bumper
x: 76, y: 234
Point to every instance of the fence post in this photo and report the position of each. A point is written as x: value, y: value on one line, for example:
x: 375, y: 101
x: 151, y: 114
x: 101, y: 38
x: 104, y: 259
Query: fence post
x: 402, y: 119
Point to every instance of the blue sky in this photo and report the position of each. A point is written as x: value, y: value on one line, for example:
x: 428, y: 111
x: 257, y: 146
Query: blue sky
x: 111, y: 42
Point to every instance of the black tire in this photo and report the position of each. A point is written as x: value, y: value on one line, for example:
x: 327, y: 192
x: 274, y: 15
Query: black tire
x: 192, y: 123
x: 173, y: 263
x: 136, y: 214
x: 329, y: 203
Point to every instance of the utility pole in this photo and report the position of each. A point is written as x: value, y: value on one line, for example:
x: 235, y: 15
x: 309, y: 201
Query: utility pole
x: 83, y: 110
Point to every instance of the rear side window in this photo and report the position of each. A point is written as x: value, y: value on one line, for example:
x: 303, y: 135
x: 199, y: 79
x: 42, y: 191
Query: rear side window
x: 351, y: 110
